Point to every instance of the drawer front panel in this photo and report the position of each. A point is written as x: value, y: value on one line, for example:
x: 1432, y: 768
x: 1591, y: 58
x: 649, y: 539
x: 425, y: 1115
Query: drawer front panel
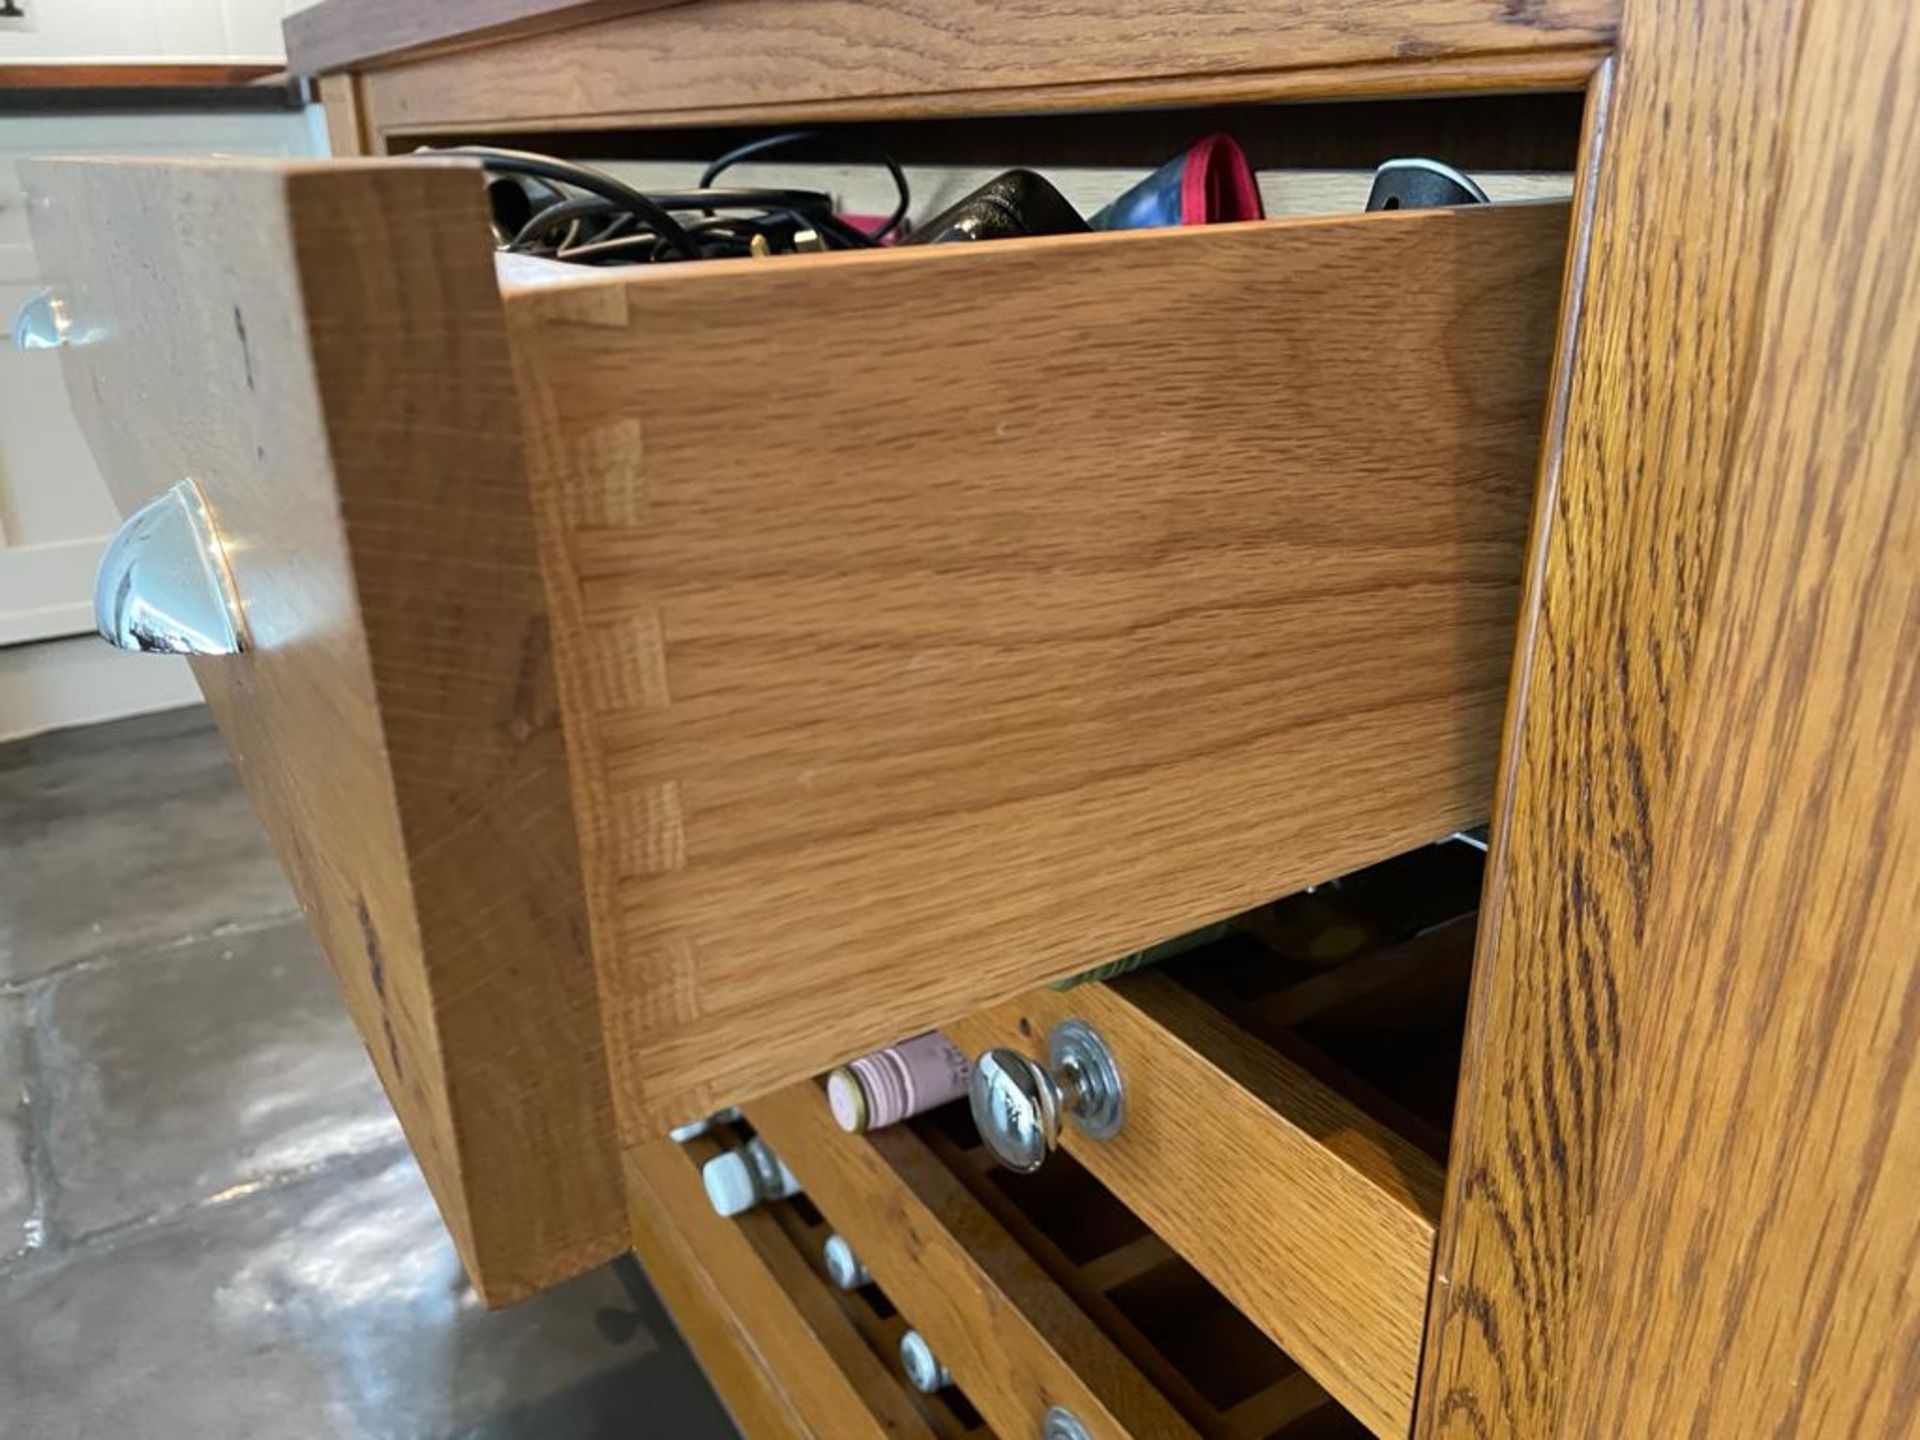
x: 1014, y: 1342
x: 1315, y: 1219
x: 829, y: 1376
x: 933, y: 623
x: 320, y: 348
x: 1061, y: 1298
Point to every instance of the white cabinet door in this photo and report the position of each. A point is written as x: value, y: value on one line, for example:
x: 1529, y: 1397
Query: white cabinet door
x: 54, y: 511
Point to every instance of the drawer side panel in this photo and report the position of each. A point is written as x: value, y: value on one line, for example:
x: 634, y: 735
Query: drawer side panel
x: 931, y: 624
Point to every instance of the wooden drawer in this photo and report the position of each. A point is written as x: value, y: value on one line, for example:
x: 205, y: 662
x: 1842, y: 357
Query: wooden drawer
x: 1285, y: 1117
x: 1007, y: 607
x: 792, y: 1355
x: 1037, y: 1297
x: 755, y: 662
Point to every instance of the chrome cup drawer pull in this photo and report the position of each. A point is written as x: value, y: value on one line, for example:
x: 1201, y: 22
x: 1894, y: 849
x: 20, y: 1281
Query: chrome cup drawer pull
x: 163, y: 584
x: 45, y: 321
x: 1019, y: 1103
x: 41, y: 323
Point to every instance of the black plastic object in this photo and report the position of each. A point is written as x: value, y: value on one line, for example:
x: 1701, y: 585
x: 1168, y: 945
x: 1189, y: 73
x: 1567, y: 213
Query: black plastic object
x: 1416, y: 183
x: 1016, y: 203
x: 514, y: 201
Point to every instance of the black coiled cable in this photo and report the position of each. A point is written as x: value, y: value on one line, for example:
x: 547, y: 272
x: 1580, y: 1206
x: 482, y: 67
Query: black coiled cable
x: 573, y: 212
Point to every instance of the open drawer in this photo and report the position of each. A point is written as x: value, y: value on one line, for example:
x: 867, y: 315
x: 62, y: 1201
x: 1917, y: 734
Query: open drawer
x: 1287, y: 1089
x: 792, y: 1354
x: 1042, y: 1298
x: 754, y: 662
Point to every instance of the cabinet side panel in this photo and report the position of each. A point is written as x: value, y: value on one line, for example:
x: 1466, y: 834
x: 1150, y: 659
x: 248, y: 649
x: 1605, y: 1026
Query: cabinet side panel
x: 1689, y: 1054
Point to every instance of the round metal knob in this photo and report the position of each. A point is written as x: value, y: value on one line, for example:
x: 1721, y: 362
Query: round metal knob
x: 1062, y: 1424
x: 925, y: 1373
x: 1018, y: 1103
x: 843, y: 1266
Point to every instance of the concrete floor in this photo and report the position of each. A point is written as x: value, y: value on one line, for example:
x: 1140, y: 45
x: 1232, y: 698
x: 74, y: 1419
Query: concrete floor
x: 209, y: 1222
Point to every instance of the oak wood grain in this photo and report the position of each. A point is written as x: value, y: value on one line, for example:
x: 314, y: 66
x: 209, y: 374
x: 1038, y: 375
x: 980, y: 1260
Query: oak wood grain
x: 934, y: 623
x: 346, y: 117
x: 1756, y: 1224
x: 321, y: 347
x: 782, y: 1310
x: 771, y: 58
x: 947, y: 1412
x: 721, y: 1340
x: 1015, y: 1342
x: 1317, y: 1222
x: 334, y: 35
x: 403, y: 121
x: 1689, y: 1089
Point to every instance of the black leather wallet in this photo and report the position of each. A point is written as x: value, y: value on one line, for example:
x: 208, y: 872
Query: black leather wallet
x: 1016, y: 203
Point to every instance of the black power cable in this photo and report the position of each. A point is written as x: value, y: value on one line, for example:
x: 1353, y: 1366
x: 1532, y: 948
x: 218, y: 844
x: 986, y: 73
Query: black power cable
x: 567, y: 211
x: 582, y: 177
x: 824, y: 140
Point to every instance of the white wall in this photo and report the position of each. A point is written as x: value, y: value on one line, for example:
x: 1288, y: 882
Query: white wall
x: 243, y: 31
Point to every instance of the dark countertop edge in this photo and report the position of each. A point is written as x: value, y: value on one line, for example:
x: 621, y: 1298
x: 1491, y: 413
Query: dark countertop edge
x: 67, y: 99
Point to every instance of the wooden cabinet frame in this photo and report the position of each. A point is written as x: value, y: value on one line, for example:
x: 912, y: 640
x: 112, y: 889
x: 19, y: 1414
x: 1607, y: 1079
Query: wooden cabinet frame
x: 1691, y: 1112
x: 1680, y: 1199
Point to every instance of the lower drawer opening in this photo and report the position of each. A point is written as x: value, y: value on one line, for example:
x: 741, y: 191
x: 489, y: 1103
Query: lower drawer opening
x: 855, y: 1332
x: 1289, y: 1078
x: 1223, y: 1375
x: 1363, y: 982
x: 947, y: 1411
x: 1036, y: 1291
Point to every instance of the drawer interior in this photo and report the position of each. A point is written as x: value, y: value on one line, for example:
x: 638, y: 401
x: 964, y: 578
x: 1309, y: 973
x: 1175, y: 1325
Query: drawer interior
x: 1310, y: 158
x: 1224, y: 1375
x: 876, y: 1317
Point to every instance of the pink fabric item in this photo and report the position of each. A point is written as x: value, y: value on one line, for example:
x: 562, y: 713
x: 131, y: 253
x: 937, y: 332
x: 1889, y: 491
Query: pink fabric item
x: 1217, y: 184
x: 870, y: 224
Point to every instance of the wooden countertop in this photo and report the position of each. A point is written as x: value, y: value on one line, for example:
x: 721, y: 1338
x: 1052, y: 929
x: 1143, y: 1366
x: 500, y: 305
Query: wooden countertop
x: 37, y: 88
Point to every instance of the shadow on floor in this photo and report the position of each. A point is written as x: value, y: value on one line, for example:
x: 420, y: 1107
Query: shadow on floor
x: 209, y: 1223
